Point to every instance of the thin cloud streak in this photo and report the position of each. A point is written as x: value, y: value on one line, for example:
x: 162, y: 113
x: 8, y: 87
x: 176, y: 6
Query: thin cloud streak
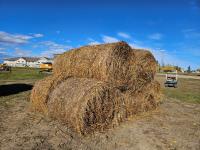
x: 155, y: 36
x: 53, y: 48
x: 14, y: 39
x: 124, y: 35
x: 109, y: 39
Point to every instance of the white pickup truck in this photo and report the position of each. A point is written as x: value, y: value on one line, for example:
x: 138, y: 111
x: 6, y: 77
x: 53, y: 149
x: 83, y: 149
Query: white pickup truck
x: 171, y: 79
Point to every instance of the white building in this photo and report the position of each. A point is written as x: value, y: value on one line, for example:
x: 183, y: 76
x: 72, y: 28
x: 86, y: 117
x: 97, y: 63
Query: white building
x: 33, y: 62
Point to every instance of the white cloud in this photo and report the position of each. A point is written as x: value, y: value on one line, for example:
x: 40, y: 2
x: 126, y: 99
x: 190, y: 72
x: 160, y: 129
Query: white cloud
x: 55, y: 45
x: 53, y: 48
x: 109, y: 39
x: 124, y: 35
x: 20, y: 52
x: 138, y: 44
x: 162, y: 55
x: 155, y: 36
x: 7, y: 38
x: 13, y: 39
x: 167, y: 57
x: 2, y: 48
x: 38, y: 35
x: 93, y: 42
x: 191, y: 33
x: 3, y: 52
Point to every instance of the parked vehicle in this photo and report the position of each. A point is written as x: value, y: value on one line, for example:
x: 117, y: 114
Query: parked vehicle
x: 171, y: 79
x: 4, y: 67
x: 46, y: 67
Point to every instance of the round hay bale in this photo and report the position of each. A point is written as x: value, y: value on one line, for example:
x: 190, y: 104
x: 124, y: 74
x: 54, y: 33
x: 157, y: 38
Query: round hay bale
x: 105, y: 62
x: 144, y: 99
x: 95, y: 87
x: 86, y: 105
x: 146, y: 65
x: 115, y: 63
x: 41, y: 90
x: 142, y: 68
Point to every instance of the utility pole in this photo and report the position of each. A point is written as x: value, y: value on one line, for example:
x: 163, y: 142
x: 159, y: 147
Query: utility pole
x: 162, y: 55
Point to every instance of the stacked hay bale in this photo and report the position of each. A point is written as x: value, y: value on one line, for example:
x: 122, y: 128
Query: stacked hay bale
x: 108, y: 63
x: 96, y: 87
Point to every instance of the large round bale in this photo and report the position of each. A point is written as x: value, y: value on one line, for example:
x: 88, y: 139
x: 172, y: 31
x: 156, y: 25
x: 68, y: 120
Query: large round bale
x: 146, y: 65
x: 86, y: 105
x: 143, y: 99
x: 95, y: 87
x: 42, y: 88
x: 105, y: 62
x: 142, y: 68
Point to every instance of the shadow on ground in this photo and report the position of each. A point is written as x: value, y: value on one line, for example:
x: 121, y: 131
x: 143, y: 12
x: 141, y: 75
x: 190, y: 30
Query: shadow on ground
x: 9, y: 89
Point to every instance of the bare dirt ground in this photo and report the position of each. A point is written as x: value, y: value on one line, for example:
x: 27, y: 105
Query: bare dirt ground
x: 174, y: 125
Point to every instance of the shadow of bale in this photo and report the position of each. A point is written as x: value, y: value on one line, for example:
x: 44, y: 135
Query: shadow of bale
x: 9, y: 89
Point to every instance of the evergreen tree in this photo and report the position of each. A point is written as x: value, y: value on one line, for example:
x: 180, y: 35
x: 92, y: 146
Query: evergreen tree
x: 189, y: 69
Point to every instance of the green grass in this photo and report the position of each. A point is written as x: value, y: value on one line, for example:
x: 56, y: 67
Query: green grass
x: 22, y: 74
x: 18, y: 75
x: 188, y: 90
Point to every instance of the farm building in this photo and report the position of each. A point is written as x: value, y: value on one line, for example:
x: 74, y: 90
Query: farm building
x: 33, y: 62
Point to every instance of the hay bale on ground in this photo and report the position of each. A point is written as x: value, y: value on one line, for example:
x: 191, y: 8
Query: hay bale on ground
x: 86, y: 105
x: 143, y: 66
x: 94, y: 87
x: 115, y: 63
x: 41, y: 91
x: 106, y: 62
x: 144, y: 99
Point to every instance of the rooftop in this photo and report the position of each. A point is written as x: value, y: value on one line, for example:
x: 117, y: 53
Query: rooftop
x: 28, y: 59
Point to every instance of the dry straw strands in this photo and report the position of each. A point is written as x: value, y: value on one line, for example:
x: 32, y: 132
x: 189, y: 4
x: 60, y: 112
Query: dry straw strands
x: 95, y: 87
x: 142, y: 68
x: 107, y: 62
x: 42, y: 89
x: 86, y: 104
x: 146, y: 98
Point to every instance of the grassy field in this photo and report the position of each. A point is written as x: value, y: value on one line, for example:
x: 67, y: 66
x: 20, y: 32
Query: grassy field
x: 22, y: 74
x: 188, y: 90
x: 175, y: 125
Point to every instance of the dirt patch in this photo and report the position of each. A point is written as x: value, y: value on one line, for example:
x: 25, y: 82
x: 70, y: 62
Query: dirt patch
x: 175, y: 125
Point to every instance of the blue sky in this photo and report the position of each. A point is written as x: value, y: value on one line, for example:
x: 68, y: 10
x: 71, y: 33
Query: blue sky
x: 168, y: 28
